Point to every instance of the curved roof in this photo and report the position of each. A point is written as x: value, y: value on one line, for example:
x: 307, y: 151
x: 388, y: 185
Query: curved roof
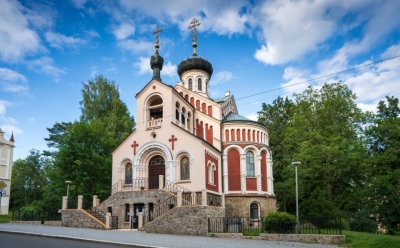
x: 195, y: 62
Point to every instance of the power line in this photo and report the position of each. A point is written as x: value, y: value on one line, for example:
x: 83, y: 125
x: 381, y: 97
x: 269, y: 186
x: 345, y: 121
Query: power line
x: 313, y: 79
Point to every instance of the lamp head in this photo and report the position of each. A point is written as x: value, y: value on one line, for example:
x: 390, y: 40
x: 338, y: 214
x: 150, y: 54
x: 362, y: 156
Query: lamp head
x: 68, y: 182
x: 296, y: 162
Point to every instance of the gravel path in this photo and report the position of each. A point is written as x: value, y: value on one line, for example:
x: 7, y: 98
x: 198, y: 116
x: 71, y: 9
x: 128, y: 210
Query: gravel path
x: 151, y: 239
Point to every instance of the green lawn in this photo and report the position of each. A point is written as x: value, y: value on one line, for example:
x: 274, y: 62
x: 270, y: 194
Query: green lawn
x: 6, y: 218
x: 370, y: 240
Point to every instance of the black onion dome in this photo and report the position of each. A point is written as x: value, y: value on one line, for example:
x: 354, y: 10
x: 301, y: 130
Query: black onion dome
x: 156, y: 61
x: 195, y: 62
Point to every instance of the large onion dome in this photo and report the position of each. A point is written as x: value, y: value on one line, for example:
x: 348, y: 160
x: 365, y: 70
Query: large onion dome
x: 195, y: 62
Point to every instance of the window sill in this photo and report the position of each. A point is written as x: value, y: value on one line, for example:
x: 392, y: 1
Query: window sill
x: 185, y: 181
x: 251, y: 177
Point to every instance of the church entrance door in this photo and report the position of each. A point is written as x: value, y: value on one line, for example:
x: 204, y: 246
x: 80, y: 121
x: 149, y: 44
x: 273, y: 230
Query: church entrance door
x: 156, y: 168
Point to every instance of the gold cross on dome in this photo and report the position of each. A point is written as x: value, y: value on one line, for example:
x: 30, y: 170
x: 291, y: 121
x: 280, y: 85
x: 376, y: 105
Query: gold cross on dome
x: 158, y: 30
x: 193, y: 25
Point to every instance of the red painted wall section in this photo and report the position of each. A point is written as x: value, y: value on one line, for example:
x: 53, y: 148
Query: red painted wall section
x: 181, y: 93
x: 210, y: 113
x: 244, y: 135
x: 232, y: 134
x: 209, y: 134
x: 226, y: 135
x: 234, y: 170
x: 198, y: 104
x: 213, y: 159
x: 238, y: 134
x: 264, y: 171
x: 203, y: 107
x: 187, y: 97
x: 199, y: 128
x: 192, y: 101
x: 248, y: 135
x: 251, y: 183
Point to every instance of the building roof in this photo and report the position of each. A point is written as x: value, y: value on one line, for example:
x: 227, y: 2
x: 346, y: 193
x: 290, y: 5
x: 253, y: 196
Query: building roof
x: 195, y: 62
x: 222, y: 99
x: 236, y: 117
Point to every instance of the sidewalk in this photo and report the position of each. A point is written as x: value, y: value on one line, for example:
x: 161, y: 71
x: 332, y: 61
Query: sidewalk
x: 142, y: 239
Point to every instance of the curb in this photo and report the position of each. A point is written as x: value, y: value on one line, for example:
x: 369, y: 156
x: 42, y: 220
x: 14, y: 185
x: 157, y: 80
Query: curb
x: 79, y: 239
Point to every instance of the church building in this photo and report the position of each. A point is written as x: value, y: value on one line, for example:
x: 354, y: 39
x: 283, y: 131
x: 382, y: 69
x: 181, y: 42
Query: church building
x: 6, y: 158
x: 185, y: 141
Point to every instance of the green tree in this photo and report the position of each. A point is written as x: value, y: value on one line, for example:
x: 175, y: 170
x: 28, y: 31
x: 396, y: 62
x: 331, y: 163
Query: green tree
x: 325, y: 129
x: 384, y: 164
x: 276, y: 117
x: 28, y: 180
x: 55, y: 134
x: 101, y: 101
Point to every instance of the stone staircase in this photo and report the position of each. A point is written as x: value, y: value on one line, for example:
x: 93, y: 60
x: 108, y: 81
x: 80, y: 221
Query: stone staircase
x: 97, y: 214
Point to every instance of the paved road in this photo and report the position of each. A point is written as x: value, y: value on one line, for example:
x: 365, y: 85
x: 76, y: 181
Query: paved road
x: 136, y: 238
x: 10, y: 240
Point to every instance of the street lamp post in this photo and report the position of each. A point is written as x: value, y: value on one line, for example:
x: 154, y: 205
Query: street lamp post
x: 296, y: 163
x: 68, y: 182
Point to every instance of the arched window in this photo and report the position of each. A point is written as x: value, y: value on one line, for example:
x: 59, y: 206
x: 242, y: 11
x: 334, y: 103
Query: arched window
x: 155, y: 108
x: 206, y: 86
x: 211, y: 169
x: 128, y: 174
x: 183, y: 116
x: 190, y: 84
x: 250, y: 164
x: 177, y: 106
x: 199, y: 85
x: 254, y: 211
x: 188, y: 120
x: 185, y: 168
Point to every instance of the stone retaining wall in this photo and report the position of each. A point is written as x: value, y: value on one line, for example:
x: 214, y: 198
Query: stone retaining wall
x: 186, y: 220
x: 27, y: 222
x: 78, y: 218
x: 240, y: 205
x: 52, y: 223
x: 304, y: 238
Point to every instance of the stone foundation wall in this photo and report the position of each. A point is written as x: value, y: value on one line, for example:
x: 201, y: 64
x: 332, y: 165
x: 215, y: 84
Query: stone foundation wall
x: 186, y: 220
x: 118, y: 200
x: 77, y: 218
x: 239, y: 206
x: 304, y: 238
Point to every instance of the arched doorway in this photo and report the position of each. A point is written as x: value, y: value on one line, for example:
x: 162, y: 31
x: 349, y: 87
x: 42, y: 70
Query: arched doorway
x: 156, y: 168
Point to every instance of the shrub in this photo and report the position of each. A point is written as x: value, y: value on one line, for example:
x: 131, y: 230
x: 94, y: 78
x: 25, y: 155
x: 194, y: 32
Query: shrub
x: 363, y: 223
x: 336, y: 224
x: 280, y: 222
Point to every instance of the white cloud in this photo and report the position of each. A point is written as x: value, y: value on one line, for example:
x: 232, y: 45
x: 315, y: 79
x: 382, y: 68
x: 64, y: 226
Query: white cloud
x: 144, y: 65
x: 16, y: 38
x: 93, y: 71
x: 221, y: 77
x: 79, y: 4
x: 10, y: 129
x: 136, y: 46
x: 291, y: 28
x: 169, y: 69
x: 3, y: 106
x: 32, y: 120
x: 46, y: 65
x: 123, y: 31
x: 252, y: 116
x: 12, y: 81
x: 92, y: 33
x: 58, y: 40
x: 112, y: 69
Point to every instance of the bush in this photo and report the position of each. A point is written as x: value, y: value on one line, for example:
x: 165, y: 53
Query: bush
x: 280, y: 222
x: 363, y: 223
x: 336, y: 224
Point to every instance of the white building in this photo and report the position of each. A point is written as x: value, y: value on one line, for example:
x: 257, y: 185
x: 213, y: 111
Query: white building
x: 6, y: 157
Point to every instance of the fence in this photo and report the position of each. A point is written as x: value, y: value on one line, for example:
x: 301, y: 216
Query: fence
x: 36, y: 215
x: 308, y: 225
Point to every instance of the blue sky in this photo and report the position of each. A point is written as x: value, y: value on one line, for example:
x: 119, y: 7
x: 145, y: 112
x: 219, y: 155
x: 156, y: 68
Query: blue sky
x: 49, y: 48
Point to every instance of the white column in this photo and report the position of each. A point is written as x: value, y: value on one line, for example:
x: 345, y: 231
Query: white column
x: 270, y: 177
x: 186, y: 118
x: 95, y: 199
x: 108, y: 221
x: 140, y: 220
x: 225, y: 175
x: 180, y: 117
x: 243, y: 172
x: 64, y: 202
x: 258, y: 171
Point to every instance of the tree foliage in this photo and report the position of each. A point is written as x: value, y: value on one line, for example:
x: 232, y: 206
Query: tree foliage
x: 28, y: 180
x: 384, y: 164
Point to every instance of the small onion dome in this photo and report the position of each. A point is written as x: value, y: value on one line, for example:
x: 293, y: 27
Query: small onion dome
x: 195, y: 62
x: 156, y: 61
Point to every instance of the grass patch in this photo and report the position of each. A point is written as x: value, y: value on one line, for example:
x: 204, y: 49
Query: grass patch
x: 370, y: 240
x: 251, y: 232
x: 6, y: 218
